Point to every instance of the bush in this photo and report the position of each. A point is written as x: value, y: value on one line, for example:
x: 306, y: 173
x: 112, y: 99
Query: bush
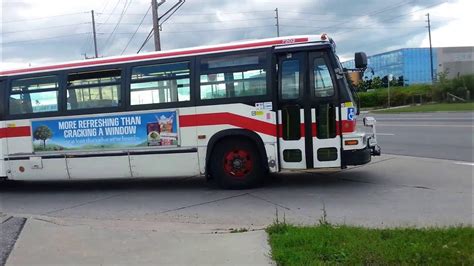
x: 398, y: 96
x: 419, y: 93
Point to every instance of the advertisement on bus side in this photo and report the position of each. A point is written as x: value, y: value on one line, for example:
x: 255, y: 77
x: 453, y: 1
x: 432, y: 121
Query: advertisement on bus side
x: 155, y: 129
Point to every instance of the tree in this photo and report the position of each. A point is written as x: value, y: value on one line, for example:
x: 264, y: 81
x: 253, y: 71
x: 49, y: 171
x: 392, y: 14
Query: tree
x: 43, y: 133
x: 401, y: 81
x: 377, y: 83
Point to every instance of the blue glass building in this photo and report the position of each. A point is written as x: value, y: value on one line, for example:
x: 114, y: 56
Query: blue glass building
x: 411, y: 63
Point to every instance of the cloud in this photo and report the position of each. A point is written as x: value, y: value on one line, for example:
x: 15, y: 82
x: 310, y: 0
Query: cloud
x: 371, y: 26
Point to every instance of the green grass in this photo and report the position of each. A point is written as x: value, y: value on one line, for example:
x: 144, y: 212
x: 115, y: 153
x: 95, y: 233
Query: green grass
x: 327, y: 244
x: 438, y: 107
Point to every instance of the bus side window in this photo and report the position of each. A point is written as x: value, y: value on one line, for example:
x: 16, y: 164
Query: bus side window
x: 34, y: 95
x: 2, y: 100
x: 89, y: 90
x: 233, y: 76
x: 323, y: 86
x: 163, y: 83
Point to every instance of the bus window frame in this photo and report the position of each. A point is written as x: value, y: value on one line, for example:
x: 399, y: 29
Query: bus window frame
x: 126, y: 83
x: 335, y: 97
x: 170, y: 105
x: 3, y: 98
x: 8, y: 85
x: 112, y: 109
x: 249, y: 100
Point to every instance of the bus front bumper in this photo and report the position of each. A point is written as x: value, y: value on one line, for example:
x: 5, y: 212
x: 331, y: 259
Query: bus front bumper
x: 360, y: 157
x: 357, y: 157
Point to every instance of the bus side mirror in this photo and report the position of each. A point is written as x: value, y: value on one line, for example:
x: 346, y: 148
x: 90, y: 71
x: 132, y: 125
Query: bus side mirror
x: 369, y: 121
x: 360, y: 59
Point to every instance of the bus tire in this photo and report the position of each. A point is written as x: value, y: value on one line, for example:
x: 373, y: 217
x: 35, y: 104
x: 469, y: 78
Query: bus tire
x: 237, y: 164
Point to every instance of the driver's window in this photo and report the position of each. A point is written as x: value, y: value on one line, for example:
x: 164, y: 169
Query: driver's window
x: 323, y: 86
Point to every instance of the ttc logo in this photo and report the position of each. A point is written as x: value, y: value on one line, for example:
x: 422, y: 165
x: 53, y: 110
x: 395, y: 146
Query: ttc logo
x: 351, y: 115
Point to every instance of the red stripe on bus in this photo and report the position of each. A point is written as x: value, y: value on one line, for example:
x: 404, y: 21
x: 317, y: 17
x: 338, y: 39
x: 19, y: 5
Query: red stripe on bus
x: 210, y: 120
x: 347, y: 127
x: 227, y: 119
x: 302, y: 130
x: 153, y: 56
x: 15, y: 132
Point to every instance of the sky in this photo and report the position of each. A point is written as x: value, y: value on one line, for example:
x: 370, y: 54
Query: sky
x: 39, y: 32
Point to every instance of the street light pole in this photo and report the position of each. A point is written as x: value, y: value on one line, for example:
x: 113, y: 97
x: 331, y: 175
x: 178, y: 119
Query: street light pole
x: 389, y: 78
x: 431, y: 48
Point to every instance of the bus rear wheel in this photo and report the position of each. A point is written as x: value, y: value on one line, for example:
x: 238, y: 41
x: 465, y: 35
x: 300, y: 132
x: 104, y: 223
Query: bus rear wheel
x: 237, y: 164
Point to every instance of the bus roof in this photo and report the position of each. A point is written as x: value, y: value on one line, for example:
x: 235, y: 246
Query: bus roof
x: 171, y: 53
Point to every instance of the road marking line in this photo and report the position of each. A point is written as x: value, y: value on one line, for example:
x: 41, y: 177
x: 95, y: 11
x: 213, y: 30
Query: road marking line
x: 464, y: 163
x: 405, y: 125
x: 385, y: 134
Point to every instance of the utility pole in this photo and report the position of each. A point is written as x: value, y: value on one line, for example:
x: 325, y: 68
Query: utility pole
x: 431, y: 48
x: 95, y: 35
x: 156, y: 23
x: 155, y: 31
x: 277, y: 22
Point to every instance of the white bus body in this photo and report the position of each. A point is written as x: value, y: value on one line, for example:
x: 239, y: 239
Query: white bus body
x: 275, y: 127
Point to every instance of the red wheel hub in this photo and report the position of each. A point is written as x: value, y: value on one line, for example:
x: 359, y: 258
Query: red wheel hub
x: 238, y: 163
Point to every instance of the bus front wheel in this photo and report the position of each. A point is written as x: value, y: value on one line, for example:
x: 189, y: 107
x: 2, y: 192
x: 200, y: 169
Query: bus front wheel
x: 237, y: 164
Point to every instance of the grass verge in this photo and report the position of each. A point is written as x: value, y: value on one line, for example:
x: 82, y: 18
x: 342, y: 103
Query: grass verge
x: 328, y: 244
x: 437, y: 107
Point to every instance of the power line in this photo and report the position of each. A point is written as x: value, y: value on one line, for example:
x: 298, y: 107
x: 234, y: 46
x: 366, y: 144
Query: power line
x: 41, y: 39
x: 141, y: 22
x: 175, y: 9
x: 208, y: 30
x: 124, y: 10
x: 46, y: 28
x: 228, y: 29
x: 373, y: 13
x: 40, y: 18
x: 146, y: 40
x: 104, y: 8
x: 115, y: 7
x: 202, y: 14
x: 402, y: 15
x: 202, y: 22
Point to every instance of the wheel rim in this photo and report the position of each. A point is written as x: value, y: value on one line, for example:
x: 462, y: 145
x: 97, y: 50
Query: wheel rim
x: 238, y: 163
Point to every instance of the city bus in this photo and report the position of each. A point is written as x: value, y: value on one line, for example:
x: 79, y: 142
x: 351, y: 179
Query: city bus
x: 232, y: 112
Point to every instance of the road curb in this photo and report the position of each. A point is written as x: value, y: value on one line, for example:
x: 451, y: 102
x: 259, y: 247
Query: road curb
x: 11, y: 229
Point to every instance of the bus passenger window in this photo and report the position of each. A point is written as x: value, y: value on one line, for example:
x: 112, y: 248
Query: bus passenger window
x: 164, y: 83
x: 34, y: 95
x: 323, y: 86
x: 89, y: 90
x: 233, y: 76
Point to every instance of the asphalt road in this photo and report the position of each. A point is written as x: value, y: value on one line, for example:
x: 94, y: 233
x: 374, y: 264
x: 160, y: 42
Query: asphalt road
x: 392, y: 190
x: 431, y: 135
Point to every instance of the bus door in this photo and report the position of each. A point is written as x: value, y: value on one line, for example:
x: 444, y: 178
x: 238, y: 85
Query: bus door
x: 307, y: 112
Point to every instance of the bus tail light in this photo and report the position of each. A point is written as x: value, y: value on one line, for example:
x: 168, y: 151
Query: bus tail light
x: 351, y: 142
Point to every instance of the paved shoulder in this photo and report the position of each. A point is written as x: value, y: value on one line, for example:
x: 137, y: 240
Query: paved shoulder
x: 134, y: 243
